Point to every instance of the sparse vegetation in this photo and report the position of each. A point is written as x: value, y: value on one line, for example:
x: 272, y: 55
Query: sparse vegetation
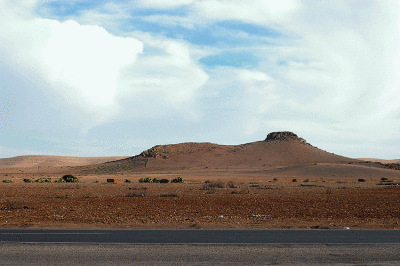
x: 164, y: 180
x: 7, y: 181
x: 213, y: 184
x: 69, y: 179
x: 42, y: 180
x: 169, y: 194
x: 135, y: 194
x: 27, y: 180
x: 231, y: 184
x: 177, y: 180
x: 145, y: 180
x: 128, y: 181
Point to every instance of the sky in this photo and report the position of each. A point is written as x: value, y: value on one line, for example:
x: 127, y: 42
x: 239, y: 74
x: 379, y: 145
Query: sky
x: 114, y: 78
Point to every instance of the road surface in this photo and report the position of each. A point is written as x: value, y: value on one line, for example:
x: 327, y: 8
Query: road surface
x: 199, y: 247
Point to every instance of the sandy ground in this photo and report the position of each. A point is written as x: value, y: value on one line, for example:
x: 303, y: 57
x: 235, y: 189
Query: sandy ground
x: 225, y: 202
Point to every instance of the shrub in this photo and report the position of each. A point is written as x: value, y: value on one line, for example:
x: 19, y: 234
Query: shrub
x: 294, y: 180
x: 7, y: 181
x: 135, y: 194
x: 69, y: 179
x: 127, y: 181
x: 146, y: 180
x: 275, y: 179
x: 231, y: 184
x: 156, y: 180
x: 306, y: 181
x: 212, y: 185
x: 383, y: 179
x: 177, y: 180
x: 169, y: 194
x: 164, y: 181
x: 27, y: 180
x: 361, y: 180
x: 45, y: 180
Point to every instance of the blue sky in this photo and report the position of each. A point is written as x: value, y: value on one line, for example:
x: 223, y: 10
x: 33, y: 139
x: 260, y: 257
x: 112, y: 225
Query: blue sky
x: 104, y: 78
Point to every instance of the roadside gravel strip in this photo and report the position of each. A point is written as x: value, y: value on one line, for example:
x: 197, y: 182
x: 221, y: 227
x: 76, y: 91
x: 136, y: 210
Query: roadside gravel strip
x: 197, y: 254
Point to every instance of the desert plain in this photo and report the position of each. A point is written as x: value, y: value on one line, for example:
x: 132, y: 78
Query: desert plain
x: 279, y: 182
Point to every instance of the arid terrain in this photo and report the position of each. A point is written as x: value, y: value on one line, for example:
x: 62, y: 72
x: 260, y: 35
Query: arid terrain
x: 281, y: 182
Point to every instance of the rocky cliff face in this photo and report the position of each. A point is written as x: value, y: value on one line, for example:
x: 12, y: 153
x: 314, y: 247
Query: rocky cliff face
x: 284, y: 136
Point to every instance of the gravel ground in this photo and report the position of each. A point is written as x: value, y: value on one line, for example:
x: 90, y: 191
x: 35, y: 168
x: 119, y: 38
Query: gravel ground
x: 275, y: 204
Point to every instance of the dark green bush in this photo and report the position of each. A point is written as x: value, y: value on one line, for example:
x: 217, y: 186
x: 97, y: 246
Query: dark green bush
x: 156, y: 180
x: 41, y: 180
x: 163, y: 180
x: 177, y: 180
x: 294, y: 180
x: 146, y: 180
x: 7, y: 181
x: 383, y: 179
x: 69, y: 179
x: 27, y: 180
x: 127, y: 181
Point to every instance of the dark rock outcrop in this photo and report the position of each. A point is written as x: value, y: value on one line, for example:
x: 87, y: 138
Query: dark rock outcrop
x: 284, y: 136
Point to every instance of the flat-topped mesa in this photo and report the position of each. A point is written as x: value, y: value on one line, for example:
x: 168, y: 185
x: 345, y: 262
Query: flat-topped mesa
x: 284, y: 136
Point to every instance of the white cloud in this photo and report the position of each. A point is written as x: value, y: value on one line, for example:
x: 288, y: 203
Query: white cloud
x: 168, y: 75
x: 163, y: 4
x: 253, y: 11
x: 82, y: 63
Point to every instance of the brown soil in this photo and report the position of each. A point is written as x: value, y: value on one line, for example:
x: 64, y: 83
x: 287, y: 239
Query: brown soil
x: 251, y: 187
x: 195, y: 204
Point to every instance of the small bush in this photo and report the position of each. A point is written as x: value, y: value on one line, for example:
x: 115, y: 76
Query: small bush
x: 177, y: 180
x: 156, y: 180
x: 127, y: 181
x: 164, y: 181
x: 41, y: 180
x: 135, y: 194
x: 7, y: 181
x: 384, y: 179
x: 361, y: 180
x: 294, y: 180
x: 275, y: 179
x: 69, y: 179
x: 231, y: 184
x: 305, y: 181
x: 213, y: 184
x: 146, y: 180
x: 169, y: 194
x: 27, y: 180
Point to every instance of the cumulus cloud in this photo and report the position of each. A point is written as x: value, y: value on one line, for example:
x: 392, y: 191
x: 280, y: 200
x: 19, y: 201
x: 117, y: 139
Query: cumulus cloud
x: 168, y: 78
x: 80, y: 62
x: 98, y: 72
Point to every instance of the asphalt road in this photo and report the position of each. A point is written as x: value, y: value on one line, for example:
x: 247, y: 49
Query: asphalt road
x: 199, y: 247
x: 202, y: 236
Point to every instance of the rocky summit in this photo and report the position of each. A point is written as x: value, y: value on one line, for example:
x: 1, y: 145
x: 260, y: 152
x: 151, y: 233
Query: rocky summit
x: 284, y: 136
